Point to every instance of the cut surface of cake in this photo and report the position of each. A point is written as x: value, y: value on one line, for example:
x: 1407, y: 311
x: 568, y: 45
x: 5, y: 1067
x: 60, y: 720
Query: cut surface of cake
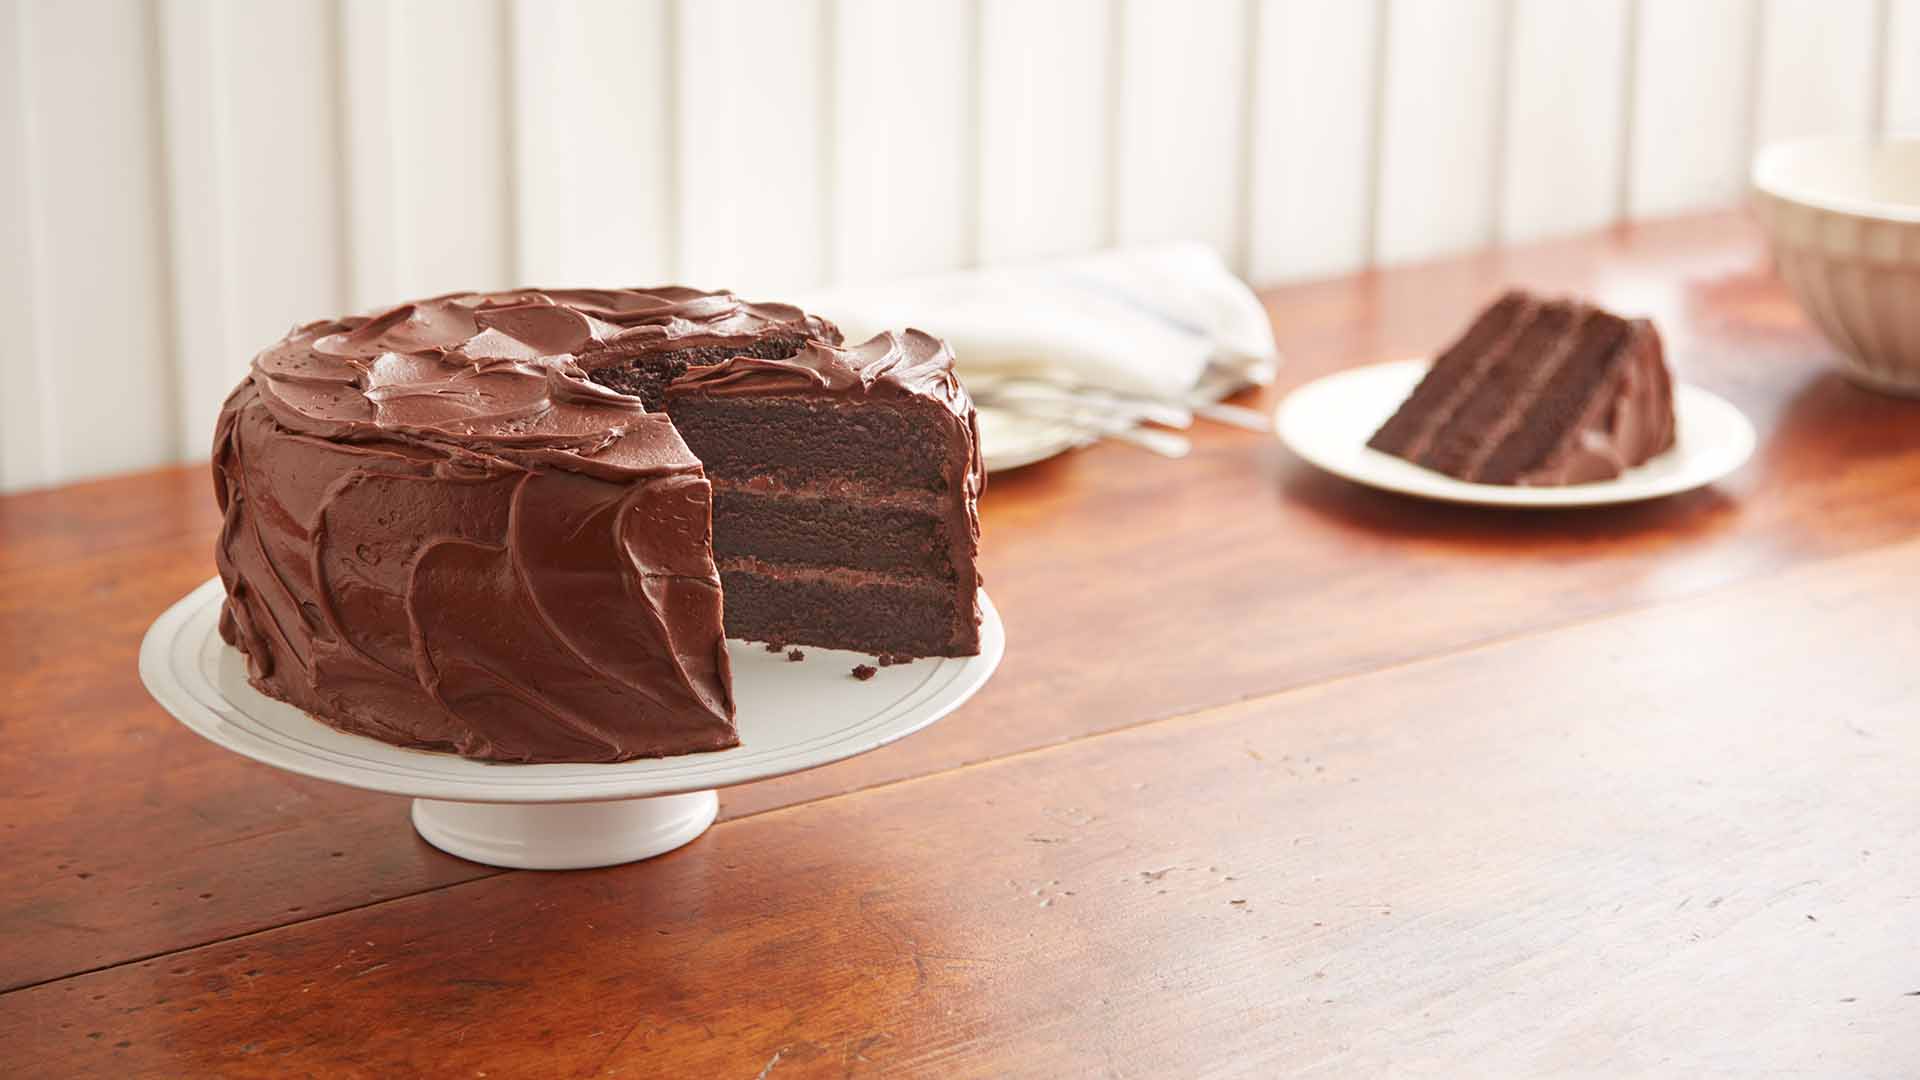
x: 476, y: 523
x: 838, y: 478
x: 1538, y: 391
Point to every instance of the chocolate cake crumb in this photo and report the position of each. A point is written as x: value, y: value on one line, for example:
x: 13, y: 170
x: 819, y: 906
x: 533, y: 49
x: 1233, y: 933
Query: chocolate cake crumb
x: 863, y: 672
x: 774, y: 646
x: 796, y: 656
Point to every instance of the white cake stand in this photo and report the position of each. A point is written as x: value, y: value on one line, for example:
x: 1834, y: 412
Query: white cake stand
x: 792, y: 716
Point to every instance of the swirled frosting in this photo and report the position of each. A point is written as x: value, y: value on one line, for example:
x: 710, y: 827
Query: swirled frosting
x: 441, y: 533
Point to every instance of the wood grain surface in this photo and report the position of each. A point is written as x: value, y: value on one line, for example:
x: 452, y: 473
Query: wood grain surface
x: 1679, y: 840
x: 1143, y: 598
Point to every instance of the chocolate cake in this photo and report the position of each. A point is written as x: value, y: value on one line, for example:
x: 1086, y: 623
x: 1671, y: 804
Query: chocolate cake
x: 518, y: 526
x: 1538, y: 392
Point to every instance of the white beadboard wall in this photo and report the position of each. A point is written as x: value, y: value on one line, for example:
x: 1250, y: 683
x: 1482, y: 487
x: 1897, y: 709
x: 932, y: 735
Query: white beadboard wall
x: 181, y: 180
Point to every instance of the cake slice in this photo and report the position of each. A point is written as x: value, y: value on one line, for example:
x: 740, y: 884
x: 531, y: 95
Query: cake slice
x: 1538, y: 392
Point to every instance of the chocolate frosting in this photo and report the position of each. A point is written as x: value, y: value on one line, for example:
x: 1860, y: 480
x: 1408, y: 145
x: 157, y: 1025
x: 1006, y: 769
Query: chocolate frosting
x: 441, y: 533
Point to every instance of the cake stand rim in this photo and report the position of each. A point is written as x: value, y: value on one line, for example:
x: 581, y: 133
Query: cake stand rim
x: 161, y: 652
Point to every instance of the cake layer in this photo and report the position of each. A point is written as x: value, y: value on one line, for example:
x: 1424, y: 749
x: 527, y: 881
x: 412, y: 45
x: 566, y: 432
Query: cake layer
x: 866, y: 612
x: 803, y: 438
x: 825, y: 530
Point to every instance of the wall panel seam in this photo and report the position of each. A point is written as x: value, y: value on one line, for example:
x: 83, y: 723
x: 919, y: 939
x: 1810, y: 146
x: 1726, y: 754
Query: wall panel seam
x: 675, y: 190
x: 974, y: 197
x: 1376, y: 129
x: 399, y: 181
x: 226, y: 265
x: 512, y: 250
x: 1879, y: 70
x: 173, y: 422
x: 1112, y: 71
x: 1756, y: 67
x: 1241, y: 257
x: 337, y: 135
x: 1502, y: 120
x: 49, y: 468
x: 828, y: 139
x: 1629, y: 104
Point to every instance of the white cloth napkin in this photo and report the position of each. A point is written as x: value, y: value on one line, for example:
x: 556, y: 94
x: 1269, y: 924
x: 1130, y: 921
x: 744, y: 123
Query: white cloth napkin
x: 1151, y: 321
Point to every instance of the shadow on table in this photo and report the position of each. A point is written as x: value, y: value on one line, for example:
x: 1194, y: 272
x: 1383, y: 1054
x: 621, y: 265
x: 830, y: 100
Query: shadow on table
x: 1692, y: 514
x: 1832, y: 425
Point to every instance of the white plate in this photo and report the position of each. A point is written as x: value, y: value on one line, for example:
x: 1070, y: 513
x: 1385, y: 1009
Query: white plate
x: 791, y: 716
x: 1009, y: 440
x: 1328, y: 422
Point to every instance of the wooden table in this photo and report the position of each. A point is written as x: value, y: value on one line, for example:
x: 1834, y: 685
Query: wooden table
x: 1280, y: 776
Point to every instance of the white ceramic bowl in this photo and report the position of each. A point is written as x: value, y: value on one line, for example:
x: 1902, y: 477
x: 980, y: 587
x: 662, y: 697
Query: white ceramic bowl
x: 1844, y: 218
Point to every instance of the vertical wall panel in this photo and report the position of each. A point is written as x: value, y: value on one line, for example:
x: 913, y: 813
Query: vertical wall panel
x: 1692, y: 115
x: 593, y: 141
x: 1565, y: 117
x: 1817, y: 68
x: 26, y: 454
x: 196, y: 70
x: 427, y: 88
x: 255, y: 187
x: 369, y: 95
x: 1181, y: 122
x: 1900, y: 107
x: 101, y: 295
x: 219, y: 171
x: 903, y: 100
x: 1313, y: 155
x: 1046, y: 124
x: 752, y: 145
x: 1440, y: 134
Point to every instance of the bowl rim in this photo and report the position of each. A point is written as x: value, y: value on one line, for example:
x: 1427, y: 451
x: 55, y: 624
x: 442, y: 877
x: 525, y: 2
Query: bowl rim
x: 1768, y: 161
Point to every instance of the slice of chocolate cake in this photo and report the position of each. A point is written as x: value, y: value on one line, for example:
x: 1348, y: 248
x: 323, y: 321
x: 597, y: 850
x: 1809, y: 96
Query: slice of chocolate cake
x: 1538, y: 392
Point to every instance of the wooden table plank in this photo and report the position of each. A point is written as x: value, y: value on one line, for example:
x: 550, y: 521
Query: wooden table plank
x: 125, y: 834
x: 1133, y: 588
x: 1678, y: 840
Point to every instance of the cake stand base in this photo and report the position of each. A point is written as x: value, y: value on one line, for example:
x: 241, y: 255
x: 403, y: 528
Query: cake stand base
x: 561, y: 816
x: 564, y: 836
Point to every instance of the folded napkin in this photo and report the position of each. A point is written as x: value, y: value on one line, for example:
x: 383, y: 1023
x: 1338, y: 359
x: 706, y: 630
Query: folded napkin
x: 1166, y: 322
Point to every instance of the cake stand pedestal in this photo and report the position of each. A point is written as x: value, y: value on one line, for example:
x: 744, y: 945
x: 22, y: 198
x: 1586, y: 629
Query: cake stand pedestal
x: 791, y: 717
x: 564, y: 836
